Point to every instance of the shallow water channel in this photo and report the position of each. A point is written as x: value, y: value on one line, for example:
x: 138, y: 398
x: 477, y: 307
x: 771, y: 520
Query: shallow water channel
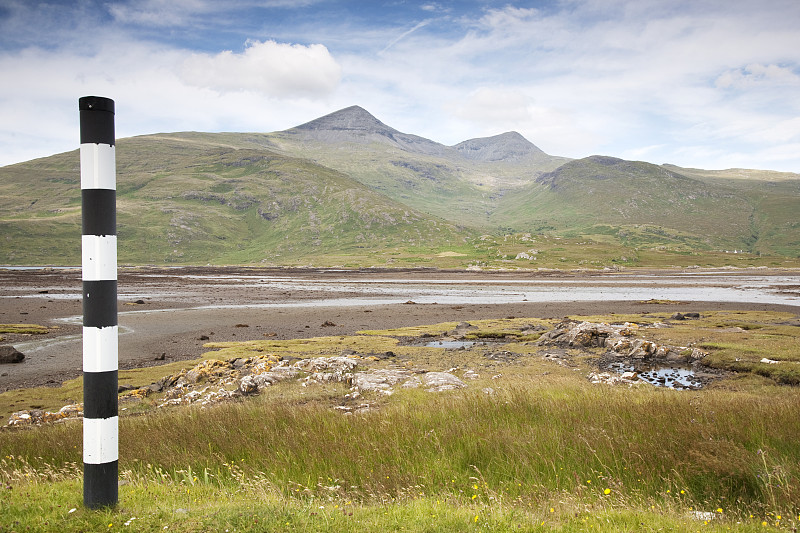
x: 689, y: 286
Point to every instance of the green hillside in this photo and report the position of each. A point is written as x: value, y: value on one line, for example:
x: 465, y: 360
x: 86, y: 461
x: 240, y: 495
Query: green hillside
x: 639, y: 203
x: 775, y: 197
x: 184, y: 199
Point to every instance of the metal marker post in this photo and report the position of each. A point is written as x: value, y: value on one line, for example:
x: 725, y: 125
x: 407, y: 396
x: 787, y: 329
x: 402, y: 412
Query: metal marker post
x: 99, y: 275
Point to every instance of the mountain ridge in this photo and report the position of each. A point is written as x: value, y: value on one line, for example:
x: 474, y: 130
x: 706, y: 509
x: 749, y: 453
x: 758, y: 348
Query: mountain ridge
x: 356, y: 124
x: 348, y: 185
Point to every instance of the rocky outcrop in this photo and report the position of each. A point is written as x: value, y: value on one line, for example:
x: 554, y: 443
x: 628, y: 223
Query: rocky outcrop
x: 214, y: 381
x: 37, y: 417
x: 570, y: 333
x: 382, y: 380
x: 619, y: 339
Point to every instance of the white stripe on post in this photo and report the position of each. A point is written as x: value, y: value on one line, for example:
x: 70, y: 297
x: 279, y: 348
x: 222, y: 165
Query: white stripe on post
x: 98, y: 166
x: 100, y: 440
x: 100, y: 349
x: 99, y: 257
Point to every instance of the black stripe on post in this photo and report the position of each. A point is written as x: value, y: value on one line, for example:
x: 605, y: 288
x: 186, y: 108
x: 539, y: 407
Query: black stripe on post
x: 100, y: 303
x: 99, y: 212
x: 101, y: 485
x: 97, y: 120
x: 100, y: 394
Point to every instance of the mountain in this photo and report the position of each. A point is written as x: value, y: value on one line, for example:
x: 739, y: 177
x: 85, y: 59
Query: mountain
x: 355, y: 124
x: 465, y: 180
x: 348, y: 190
x: 509, y: 146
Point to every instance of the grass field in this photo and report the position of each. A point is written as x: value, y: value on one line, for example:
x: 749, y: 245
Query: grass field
x: 531, y: 445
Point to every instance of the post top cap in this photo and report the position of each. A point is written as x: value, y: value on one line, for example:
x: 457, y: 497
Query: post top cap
x: 96, y: 103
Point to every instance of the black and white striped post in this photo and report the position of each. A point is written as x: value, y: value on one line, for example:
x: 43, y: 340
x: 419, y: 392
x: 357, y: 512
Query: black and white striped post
x: 99, y: 275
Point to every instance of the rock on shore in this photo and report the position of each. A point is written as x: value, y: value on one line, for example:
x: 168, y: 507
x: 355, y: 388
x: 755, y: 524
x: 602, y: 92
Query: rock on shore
x: 9, y: 354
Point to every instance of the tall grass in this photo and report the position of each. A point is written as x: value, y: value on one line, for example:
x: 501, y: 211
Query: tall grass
x: 524, y: 443
x: 539, y: 449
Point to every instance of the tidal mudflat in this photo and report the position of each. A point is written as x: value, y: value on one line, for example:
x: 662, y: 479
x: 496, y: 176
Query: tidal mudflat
x: 169, y: 314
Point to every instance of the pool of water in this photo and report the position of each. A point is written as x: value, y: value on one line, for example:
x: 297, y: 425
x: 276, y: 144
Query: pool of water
x: 674, y: 378
x: 661, y: 376
x: 450, y: 345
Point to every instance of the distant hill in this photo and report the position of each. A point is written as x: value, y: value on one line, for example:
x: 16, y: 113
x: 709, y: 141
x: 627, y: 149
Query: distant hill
x: 348, y: 190
x: 599, y: 194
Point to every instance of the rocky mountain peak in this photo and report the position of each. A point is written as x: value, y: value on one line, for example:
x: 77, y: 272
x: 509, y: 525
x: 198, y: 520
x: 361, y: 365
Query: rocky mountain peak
x: 350, y: 119
x: 509, y: 146
x: 355, y: 124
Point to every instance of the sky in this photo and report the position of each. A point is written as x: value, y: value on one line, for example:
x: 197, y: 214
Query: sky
x: 709, y: 84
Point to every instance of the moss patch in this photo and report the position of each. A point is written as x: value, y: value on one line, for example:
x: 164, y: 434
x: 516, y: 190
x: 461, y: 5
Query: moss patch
x: 23, y: 329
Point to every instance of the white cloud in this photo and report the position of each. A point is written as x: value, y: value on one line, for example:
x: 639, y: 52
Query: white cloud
x: 495, y: 106
x: 757, y: 74
x: 40, y: 108
x: 274, y: 69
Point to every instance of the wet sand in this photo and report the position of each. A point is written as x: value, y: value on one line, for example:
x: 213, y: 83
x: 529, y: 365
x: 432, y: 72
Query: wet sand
x: 163, y: 313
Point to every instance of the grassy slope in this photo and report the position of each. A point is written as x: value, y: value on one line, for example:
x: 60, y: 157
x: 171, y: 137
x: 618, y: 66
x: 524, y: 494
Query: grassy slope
x: 776, y: 200
x: 639, y: 204
x: 194, y: 201
x: 466, y: 190
x: 429, y: 183
x: 632, y: 204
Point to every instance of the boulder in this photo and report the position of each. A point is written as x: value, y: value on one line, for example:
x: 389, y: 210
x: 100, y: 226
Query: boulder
x: 379, y: 380
x: 530, y: 329
x: 685, y: 316
x: 461, y: 329
x: 327, y: 364
x: 441, y: 381
x: 9, y: 354
x: 248, y: 385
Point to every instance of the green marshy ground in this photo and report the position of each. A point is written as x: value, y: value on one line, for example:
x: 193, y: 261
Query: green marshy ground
x: 546, y: 450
